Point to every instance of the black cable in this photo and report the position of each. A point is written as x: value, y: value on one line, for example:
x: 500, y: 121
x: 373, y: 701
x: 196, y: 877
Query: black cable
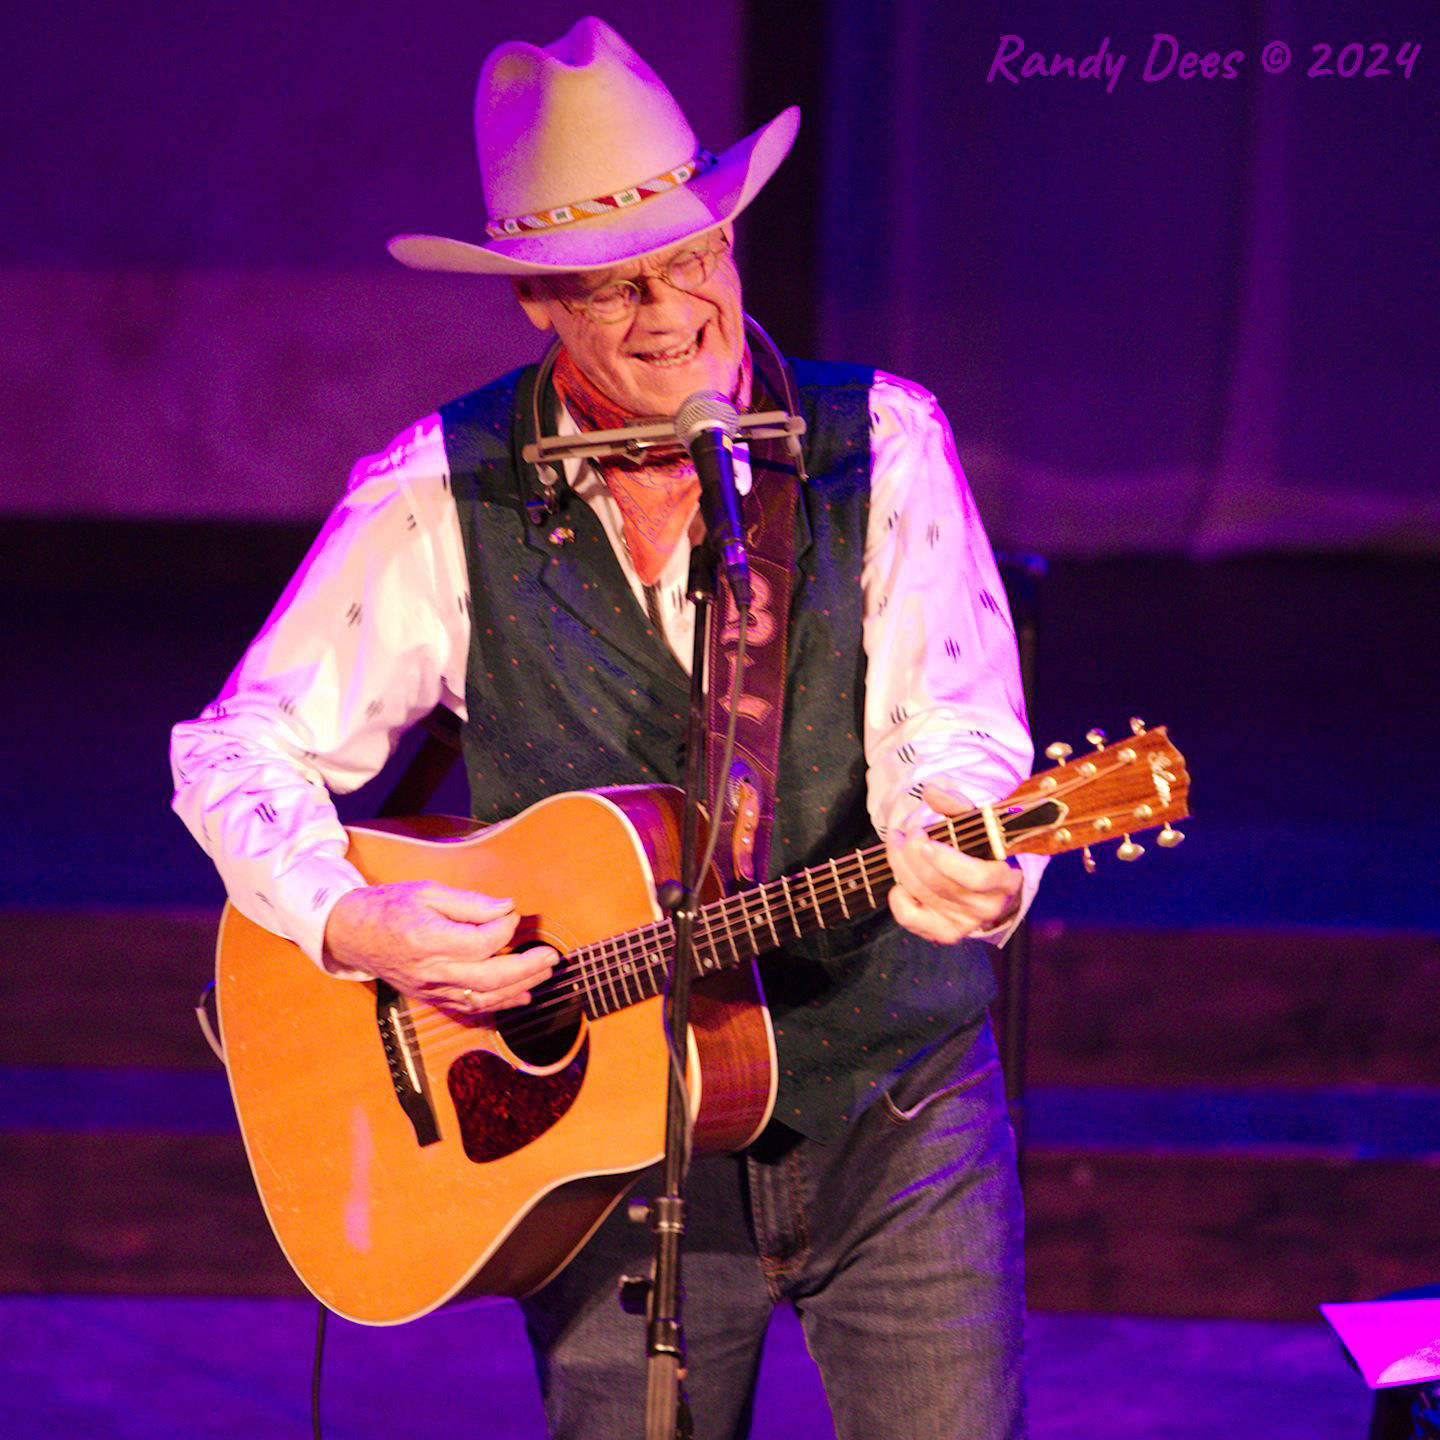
x: 315, y: 1429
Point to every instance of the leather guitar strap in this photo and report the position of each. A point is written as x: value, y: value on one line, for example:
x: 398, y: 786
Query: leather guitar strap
x: 742, y: 852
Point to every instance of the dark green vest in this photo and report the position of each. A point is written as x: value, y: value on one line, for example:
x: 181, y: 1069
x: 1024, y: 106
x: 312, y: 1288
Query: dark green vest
x: 569, y: 687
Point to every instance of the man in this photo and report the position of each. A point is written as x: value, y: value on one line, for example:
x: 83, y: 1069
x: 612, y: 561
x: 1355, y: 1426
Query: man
x: 882, y: 1200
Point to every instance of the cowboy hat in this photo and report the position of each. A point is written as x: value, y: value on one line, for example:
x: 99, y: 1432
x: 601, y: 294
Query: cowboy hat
x: 587, y: 161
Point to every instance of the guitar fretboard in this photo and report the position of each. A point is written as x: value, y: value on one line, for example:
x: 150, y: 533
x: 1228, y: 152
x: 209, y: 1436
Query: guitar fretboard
x: 623, y: 970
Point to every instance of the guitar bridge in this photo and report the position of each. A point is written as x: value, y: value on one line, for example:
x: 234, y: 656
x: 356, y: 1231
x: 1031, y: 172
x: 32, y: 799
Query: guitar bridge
x: 402, y: 1055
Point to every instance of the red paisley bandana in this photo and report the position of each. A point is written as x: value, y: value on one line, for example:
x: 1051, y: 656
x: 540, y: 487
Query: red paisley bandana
x: 657, y: 495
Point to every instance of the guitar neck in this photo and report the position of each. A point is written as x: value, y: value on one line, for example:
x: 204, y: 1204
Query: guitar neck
x: 1135, y: 785
x: 628, y: 968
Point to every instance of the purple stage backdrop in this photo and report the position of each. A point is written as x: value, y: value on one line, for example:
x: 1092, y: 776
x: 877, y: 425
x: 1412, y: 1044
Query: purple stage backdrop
x: 1188, y: 301
x: 1184, y: 302
x: 200, y: 316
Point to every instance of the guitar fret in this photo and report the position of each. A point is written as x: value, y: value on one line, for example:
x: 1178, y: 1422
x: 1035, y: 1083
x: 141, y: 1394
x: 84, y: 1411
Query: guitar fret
x: 617, y: 981
x: 597, y: 975
x: 657, y: 957
x: 724, y: 909
x: 607, y: 972
x: 769, y: 918
x: 617, y: 969
x: 625, y: 953
x: 612, y: 980
x: 581, y: 960
x: 814, y: 898
x: 865, y: 880
x: 641, y: 962
x: 737, y: 925
x: 790, y: 903
x: 752, y: 919
x: 703, y: 939
x: 839, y: 889
x: 664, y: 955
x: 652, y: 958
x: 593, y: 992
x: 640, y: 966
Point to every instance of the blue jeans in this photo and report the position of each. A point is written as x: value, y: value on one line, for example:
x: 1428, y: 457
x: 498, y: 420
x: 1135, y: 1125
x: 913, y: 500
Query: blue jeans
x: 900, y: 1245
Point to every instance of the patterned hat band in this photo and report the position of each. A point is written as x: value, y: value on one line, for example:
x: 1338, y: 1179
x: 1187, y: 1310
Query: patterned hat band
x: 603, y: 204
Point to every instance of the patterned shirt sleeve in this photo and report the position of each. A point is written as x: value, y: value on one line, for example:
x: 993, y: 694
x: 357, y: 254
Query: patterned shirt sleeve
x: 943, y: 697
x: 370, y: 635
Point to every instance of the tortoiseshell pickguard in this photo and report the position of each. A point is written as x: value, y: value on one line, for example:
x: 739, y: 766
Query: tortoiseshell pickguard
x: 501, y: 1109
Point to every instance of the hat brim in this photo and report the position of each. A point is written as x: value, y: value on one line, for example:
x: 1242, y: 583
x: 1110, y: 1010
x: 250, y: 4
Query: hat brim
x: 711, y: 199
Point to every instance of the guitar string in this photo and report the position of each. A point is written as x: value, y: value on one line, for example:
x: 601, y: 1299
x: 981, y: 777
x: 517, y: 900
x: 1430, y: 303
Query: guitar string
x: 571, y: 988
x: 711, y: 917
x: 614, y: 982
x: 446, y: 1038
x: 564, y: 997
x: 462, y: 1037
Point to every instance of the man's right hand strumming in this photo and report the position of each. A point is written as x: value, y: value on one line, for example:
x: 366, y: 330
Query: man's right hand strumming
x: 437, y: 944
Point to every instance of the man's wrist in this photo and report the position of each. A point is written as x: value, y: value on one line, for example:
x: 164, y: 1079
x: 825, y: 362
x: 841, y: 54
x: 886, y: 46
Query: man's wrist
x: 305, y: 898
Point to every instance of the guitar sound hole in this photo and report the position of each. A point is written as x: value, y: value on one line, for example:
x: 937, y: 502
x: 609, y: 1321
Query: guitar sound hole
x: 544, y: 1031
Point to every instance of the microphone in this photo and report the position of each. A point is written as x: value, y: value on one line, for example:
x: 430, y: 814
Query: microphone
x: 706, y: 426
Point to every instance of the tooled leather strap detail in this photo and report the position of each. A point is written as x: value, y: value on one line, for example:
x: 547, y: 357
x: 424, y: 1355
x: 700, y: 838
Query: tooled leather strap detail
x: 743, y: 850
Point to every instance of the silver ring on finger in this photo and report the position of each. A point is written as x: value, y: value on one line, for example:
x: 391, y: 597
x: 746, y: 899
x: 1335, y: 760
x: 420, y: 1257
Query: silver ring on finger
x: 469, y: 998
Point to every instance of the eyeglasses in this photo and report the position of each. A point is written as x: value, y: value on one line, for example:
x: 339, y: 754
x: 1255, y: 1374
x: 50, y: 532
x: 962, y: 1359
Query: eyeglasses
x: 608, y: 305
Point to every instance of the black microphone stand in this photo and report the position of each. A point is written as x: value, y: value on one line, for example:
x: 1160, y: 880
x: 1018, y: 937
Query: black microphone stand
x: 667, y: 1411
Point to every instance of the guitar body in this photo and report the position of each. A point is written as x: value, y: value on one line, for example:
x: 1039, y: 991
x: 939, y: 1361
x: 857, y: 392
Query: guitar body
x: 406, y: 1160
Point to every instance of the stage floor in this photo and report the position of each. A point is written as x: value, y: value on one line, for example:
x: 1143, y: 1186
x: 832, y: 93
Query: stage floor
x: 171, y: 1369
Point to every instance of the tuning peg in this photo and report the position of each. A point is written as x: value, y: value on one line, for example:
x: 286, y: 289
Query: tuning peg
x: 1095, y: 737
x: 1137, y: 725
x: 1169, y: 838
x: 1088, y: 860
x: 1129, y: 850
x: 1058, y: 750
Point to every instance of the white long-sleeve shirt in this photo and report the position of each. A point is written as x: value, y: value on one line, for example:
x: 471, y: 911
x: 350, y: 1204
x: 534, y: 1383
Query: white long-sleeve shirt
x: 368, y: 639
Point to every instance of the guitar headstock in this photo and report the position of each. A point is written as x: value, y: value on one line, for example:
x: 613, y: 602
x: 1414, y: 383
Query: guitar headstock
x: 1110, y: 793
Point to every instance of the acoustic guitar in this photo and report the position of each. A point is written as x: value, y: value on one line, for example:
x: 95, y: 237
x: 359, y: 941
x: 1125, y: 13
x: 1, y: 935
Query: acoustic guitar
x: 407, y: 1160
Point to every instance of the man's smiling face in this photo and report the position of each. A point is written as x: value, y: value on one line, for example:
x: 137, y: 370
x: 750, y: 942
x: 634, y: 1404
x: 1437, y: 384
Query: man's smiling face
x: 673, y: 343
